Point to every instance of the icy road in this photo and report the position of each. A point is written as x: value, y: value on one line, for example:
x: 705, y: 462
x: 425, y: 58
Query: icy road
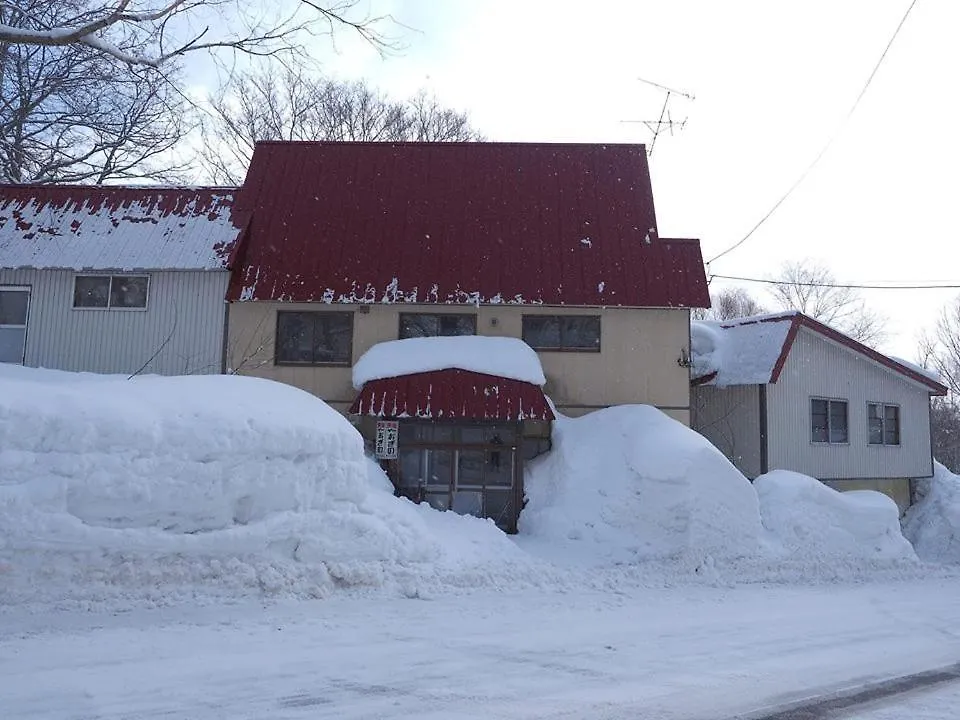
x: 684, y: 652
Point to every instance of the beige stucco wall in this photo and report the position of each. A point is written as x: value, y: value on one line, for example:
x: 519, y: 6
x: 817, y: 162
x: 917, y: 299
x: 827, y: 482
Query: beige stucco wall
x: 637, y: 362
x: 897, y: 489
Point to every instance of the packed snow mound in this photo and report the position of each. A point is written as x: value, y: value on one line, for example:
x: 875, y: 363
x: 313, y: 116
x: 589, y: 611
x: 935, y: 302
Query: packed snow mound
x: 501, y: 356
x: 933, y: 523
x: 629, y: 483
x: 163, y: 484
x: 807, y: 519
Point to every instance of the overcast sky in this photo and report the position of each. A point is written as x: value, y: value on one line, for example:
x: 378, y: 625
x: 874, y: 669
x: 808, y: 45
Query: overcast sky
x: 773, y: 82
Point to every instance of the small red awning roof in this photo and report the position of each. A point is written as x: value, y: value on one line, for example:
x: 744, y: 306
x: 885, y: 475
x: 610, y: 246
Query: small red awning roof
x: 450, y: 395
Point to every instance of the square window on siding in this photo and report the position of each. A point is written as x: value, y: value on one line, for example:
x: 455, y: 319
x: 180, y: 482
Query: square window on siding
x: 883, y: 424
x: 314, y: 338
x: 123, y: 292
x: 414, y: 325
x: 562, y: 332
x: 828, y: 421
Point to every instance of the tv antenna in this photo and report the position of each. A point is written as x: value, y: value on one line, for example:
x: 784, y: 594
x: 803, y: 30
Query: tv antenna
x: 665, y: 123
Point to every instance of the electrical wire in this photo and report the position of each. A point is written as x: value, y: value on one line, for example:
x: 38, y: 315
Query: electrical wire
x: 856, y: 286
x: 826, y: 147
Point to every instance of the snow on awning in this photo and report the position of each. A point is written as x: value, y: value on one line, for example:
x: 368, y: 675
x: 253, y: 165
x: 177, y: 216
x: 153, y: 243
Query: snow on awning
x: 452, y: 394
x: 502, y: 357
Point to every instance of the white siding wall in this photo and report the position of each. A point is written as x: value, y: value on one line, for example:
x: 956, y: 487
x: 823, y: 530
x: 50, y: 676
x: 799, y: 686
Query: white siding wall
x: 817, y: 367
x: 730, y: 419
x: 188, y: 304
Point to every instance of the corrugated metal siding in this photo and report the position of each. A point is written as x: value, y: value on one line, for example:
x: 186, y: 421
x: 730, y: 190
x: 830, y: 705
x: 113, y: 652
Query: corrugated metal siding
x: 189, y: 305
x: 730, y: 419
x: 452, y: 394
x: 460, y: 223
x: 818, y: 367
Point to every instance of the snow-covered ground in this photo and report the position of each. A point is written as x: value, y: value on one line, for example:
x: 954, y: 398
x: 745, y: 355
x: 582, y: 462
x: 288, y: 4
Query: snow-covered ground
x: 683, y: 652
x: 933, y: 523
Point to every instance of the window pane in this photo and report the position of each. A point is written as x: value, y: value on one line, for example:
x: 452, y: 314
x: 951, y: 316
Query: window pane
x: 470, y: 469
x: 412, y: 326
x: 128, y: 291
x: 11, y: 344
x: 838, y: 422
x: 498, y: 505
x: 818, y: 420
x: 541, y: 331
x: 468, y: 503
x: 91, y: 291
x: 333, y: 337
x: 499, y: 468
x: 874, y: 424
x: 294, y: 337
x: 449, y: 325
x: 412, y: 468
x: 13, y: 307
x: 891, y: 425
x: 581, y: 333
x: 438, y: 501
x: 441, y: 469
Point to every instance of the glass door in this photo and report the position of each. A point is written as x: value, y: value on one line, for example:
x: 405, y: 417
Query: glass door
x: 14, y: 304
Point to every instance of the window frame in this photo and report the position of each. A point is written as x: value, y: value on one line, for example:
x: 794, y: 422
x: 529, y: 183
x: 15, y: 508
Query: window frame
x: 109, y: 306
x: 561, y: 348
x: 829, y: 401
x: 348, y: 362
x: 400, y: 336
x: 28, y: 289
x: 883, y: 424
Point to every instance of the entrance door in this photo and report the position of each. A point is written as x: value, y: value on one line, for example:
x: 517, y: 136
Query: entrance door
x: 14, y: 304
x: 478, y: 482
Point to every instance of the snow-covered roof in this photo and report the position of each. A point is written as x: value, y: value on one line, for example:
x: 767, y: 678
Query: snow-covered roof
x: 752, y: 350
x: 739, y: 352
x: 499, y: 356
x: 116, y: 228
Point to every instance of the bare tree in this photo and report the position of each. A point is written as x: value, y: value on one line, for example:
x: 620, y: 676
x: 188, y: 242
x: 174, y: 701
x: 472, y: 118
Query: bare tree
x: 68, y: 114
x: 940, y: 349
x: 812, y: 289
x: 728, y: 304
x: 149, y: 33
x: 289, y: 104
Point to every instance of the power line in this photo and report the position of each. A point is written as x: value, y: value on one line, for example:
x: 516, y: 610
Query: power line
x: 857, y: 286
x: 826, y: 147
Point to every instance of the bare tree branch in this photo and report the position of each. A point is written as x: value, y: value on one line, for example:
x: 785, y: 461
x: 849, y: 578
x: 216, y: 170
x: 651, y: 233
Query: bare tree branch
x: 289, y: 104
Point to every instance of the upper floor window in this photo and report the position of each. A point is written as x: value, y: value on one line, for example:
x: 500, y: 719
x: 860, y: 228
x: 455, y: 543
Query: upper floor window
x: 828, y: 421
x: 414, y: 325
x: 883, y: 424
x: 562, y: 332
x: 122, y: 292
x: 314, y: 338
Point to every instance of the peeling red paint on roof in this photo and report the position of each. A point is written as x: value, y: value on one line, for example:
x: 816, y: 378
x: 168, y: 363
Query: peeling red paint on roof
x: 450, y: 395
x: 85, y: 227
x: 468, y: 223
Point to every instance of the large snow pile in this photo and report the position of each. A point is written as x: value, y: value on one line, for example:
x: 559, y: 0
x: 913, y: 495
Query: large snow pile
x: 807, y: 519
x: 165, y: 486
x: 501, y: 356
x: 933, y: 523
x: 629, y: 483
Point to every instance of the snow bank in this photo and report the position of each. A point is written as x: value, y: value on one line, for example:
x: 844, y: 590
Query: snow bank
x: 806, y: 519
x: 163, y: 486
x: 501, y: 356
x: 629, y: 483
x: 933, y: 523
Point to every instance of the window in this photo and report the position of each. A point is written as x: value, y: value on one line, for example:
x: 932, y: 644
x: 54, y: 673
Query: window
x: 14, y: 302
x: 120, y: 292
x: 828, y: 421
x: 314, y: 338
x: 562, y: 332
x: 883, y: 424
x: 414, y: 325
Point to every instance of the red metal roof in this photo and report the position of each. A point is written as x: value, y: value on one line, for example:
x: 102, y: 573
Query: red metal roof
x: 459, y: 223
x: 452, y: 394
x: 112, y: 227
